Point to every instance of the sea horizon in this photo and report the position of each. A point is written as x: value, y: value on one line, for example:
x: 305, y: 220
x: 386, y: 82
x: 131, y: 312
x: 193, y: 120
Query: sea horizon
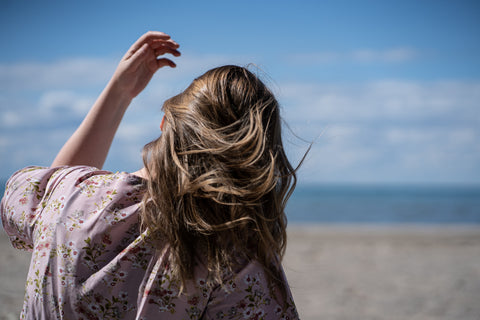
x: 380, y: 204
x: 385, y: 204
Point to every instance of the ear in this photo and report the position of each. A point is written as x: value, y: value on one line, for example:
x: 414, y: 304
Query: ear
x: 162, y: 123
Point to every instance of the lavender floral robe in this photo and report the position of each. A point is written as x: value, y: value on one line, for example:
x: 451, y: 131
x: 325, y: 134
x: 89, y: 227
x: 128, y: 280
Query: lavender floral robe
x: 89, y: 260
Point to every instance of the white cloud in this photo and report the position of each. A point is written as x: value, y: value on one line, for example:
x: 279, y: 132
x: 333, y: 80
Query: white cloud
x: 377, y: 131
x: 387, y: 131
x: 56, y: 74
x: 50, y: 109
x: 391, y: 55
x: 422, y: 154
x: 64, y: 102
x: 4, y: 143
x: 382, y: 100
x: 447, y: 136
x: 10, y: 119
x: 48, y: 100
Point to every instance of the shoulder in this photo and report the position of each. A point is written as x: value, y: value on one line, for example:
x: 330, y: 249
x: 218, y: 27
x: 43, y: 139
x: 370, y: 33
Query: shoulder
x: 35, y: 184
x: 35, y: 192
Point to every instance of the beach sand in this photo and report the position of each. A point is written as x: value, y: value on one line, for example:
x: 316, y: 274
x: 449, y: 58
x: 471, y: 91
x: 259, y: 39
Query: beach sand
x: 350, y: 272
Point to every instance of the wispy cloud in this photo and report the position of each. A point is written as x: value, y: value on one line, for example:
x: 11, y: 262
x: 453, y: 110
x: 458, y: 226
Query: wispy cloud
x: 64, y: 102
x: 391, y: 55
x: 48, y: 100
x: 388, y: 100
x: 393, y: 131
x: 85, y: 72
x: 376, y: 131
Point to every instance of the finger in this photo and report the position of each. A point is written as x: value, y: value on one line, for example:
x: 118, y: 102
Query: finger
x: 163, y: 50
x: 148, y: 37
x: 165, y: 62
x: 136, y: 59
x: 169, y: 43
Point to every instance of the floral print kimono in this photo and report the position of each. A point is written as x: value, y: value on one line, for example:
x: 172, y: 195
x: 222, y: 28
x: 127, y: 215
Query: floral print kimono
x: 89, y: 260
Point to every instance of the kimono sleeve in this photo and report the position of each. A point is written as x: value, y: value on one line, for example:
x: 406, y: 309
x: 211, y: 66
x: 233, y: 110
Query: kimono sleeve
x: 27, y: 193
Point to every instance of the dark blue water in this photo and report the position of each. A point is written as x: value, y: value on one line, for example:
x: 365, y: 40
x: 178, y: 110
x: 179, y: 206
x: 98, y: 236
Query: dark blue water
x: 385, y: 204
x: 382, y: 204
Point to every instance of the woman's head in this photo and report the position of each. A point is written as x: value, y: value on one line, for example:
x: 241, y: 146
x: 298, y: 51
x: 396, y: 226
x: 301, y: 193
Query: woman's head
x: 219, y: 177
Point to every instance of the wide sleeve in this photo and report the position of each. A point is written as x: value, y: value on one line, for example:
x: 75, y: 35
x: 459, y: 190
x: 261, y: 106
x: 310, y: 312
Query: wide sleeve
x: 27, y: 193
x: 247, y: 295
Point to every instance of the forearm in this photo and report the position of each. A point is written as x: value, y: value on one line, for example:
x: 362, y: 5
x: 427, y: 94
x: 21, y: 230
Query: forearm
x: 90, y: 143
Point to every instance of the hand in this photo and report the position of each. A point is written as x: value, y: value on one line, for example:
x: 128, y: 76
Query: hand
x: 89, y: 145
x: 140, y: 62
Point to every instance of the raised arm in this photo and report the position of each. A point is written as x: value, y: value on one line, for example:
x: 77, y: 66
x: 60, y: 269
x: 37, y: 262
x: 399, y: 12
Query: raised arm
x: 90, y: 143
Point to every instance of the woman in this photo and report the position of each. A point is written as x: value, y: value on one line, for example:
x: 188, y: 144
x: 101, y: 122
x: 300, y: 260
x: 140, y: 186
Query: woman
x: 199, y: 232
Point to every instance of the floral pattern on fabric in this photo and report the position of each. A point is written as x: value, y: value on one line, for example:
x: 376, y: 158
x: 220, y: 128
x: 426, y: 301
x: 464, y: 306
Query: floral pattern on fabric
x: 89, y: 260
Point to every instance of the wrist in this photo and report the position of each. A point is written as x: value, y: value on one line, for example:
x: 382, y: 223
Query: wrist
x: 117, y: 95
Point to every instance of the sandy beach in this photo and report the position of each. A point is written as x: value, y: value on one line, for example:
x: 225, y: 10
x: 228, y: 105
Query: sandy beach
x: 350, y: 272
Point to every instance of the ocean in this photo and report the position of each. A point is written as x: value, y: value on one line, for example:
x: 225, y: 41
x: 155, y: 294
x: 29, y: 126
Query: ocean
x: 385, y: 204
x: 358, y: 204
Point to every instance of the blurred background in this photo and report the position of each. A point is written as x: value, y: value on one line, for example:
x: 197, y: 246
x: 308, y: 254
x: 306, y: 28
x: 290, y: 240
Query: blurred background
x: 388, y: 92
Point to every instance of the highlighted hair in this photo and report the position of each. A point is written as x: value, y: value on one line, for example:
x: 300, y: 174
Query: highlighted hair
x: 219, y: 178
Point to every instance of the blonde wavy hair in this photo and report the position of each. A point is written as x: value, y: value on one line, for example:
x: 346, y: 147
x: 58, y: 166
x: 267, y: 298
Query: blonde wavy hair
x: 219, y: 178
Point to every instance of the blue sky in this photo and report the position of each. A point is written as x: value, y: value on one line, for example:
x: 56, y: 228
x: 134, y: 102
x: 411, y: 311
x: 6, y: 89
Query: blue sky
x: 388, y: 90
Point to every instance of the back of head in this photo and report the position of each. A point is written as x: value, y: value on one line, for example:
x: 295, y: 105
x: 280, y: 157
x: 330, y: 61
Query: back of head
x: 219, y: 176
